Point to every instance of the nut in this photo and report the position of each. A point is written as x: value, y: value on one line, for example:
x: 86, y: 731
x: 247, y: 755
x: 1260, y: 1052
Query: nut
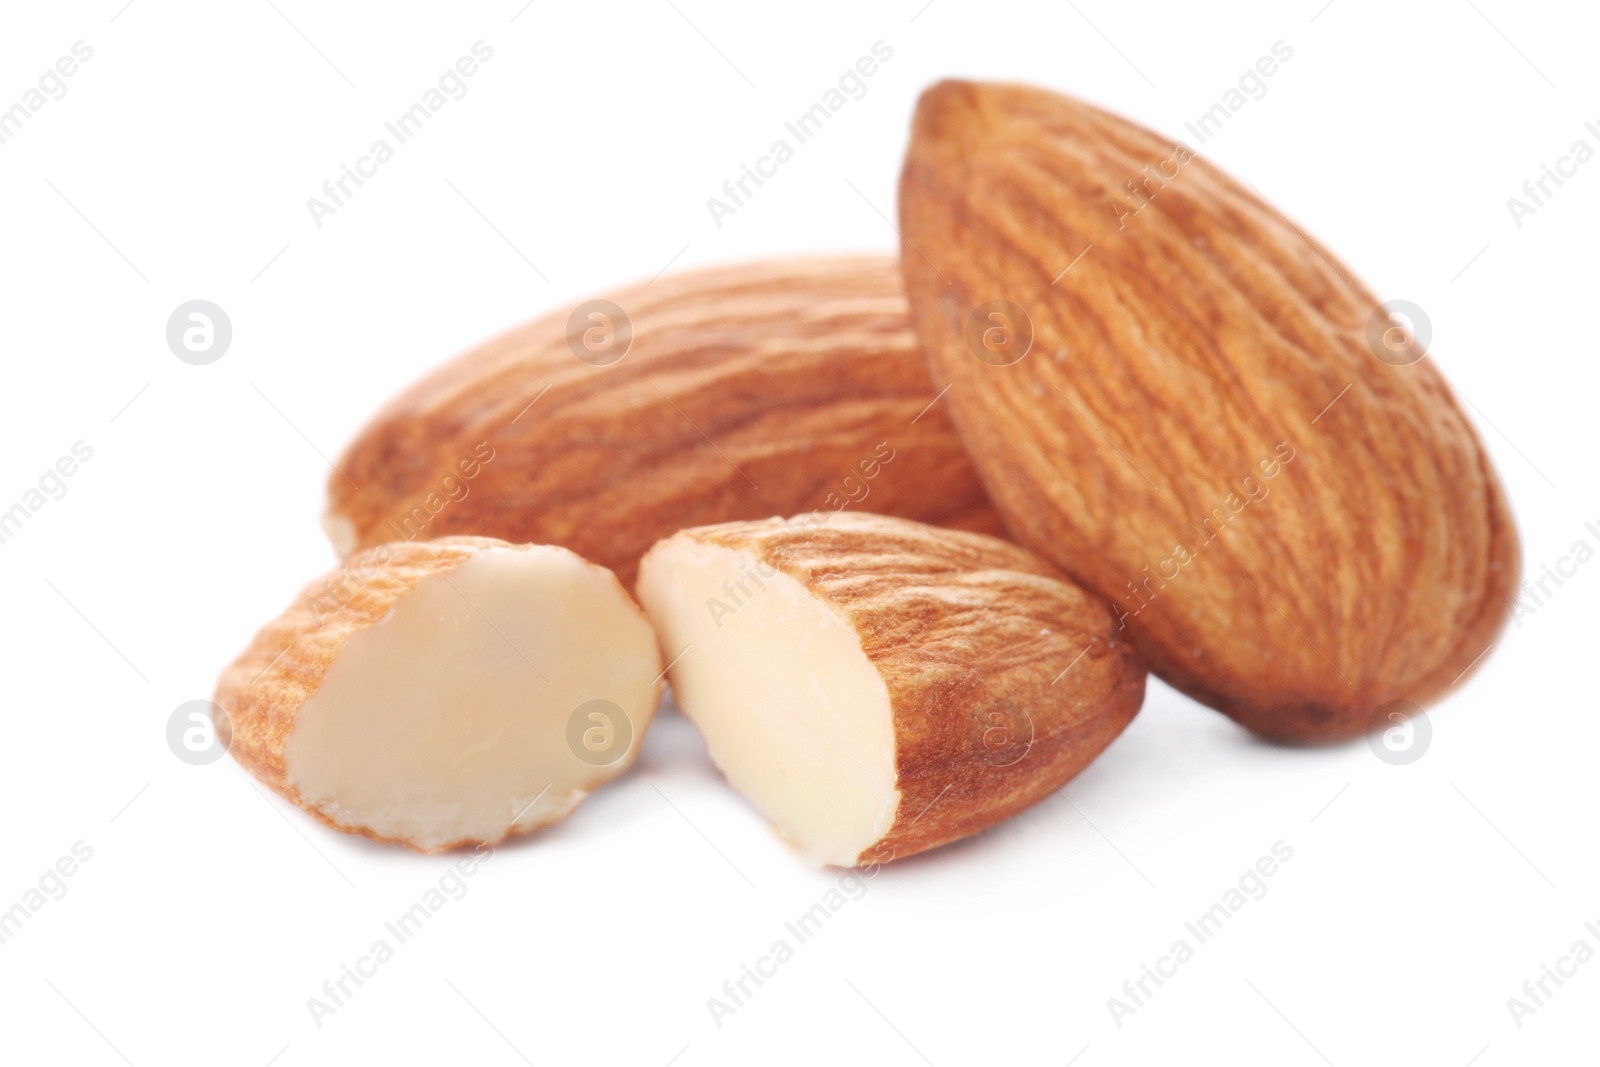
x: 425, y: 693
x: 1193, y: 352
x: 876, y: 686
x: 735, y: 393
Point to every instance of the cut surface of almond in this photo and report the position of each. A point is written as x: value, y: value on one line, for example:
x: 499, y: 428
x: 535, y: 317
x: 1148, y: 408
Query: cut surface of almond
x: 446, y: 693
x: 796, y: 715
x: 876, y: 687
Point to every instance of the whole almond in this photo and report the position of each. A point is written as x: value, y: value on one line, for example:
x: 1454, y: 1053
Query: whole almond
x: 1172, y: 392
x: 877, y: 686
x: 738, y: 392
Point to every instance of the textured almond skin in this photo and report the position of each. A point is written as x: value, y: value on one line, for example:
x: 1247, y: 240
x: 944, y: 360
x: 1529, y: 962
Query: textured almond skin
x: 748, y: 391
x: 1200, y: 332
x: 959, y: 624
x: 262, y: 691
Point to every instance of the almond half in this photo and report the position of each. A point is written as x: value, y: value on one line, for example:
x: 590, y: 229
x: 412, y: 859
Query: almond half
x: 1173, y: 393
x: 447, y: 692
x: 877, y: 687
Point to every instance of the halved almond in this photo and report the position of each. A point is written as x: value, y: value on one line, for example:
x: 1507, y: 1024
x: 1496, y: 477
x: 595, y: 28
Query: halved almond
x: 447, y: 692
x: 877, y: 687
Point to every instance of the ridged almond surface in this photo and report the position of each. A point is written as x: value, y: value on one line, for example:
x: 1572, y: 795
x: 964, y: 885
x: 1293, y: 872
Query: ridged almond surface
x: 1004, y: 678
x: 747, y: 391
x: 1296, y: 531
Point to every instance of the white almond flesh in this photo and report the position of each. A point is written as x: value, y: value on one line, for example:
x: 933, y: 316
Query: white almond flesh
x: 435, y: 705
x: 793, y: 712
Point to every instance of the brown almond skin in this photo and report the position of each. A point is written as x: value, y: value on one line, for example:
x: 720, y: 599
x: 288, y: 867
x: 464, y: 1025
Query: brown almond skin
x: 962, y: 627
x: 748, y: 391
x: 1200, y: 333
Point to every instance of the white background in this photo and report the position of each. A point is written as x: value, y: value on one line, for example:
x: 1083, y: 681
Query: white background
x: 177, y: 166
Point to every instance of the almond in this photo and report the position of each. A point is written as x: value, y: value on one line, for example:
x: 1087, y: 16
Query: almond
x: 446, y: 692
x: 876, y: 686
x: 1169, y: 391
x: 740, y: 392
